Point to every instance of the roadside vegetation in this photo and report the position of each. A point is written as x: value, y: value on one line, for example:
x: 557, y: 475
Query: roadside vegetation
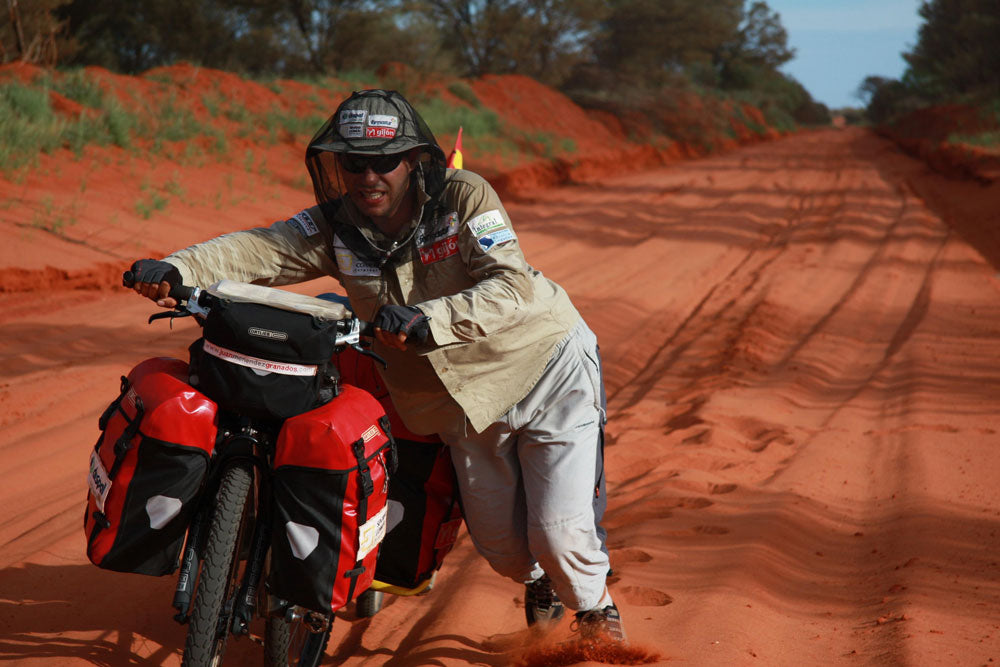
x: 632, y: 58
x: 955, y: 63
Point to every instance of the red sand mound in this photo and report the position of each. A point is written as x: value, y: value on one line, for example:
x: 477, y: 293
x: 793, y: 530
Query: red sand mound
x: 800, y: 340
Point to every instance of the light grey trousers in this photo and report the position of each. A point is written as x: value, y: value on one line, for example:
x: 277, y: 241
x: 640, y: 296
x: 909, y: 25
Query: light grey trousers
x: 527, y: 482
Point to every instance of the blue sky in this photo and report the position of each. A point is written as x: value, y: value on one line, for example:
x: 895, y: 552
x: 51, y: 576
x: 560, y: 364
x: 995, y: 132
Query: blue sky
x: 840, y: 42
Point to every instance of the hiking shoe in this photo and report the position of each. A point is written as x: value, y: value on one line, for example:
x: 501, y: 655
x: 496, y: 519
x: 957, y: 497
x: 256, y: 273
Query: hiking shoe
x: 541, y: 604
x: 600, y: 623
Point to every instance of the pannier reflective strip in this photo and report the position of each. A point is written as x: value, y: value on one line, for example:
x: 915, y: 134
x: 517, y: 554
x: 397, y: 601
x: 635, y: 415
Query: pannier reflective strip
x: 280, y: 367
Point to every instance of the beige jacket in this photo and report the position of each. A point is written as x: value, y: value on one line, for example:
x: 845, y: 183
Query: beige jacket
x: 494, y: 320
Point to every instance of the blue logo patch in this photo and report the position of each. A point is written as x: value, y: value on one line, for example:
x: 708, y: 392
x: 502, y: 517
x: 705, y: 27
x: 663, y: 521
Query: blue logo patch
x: 487, y: 242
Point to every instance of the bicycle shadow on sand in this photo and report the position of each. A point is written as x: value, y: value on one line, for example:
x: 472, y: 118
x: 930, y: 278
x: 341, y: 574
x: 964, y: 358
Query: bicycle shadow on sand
x: 55, y: 613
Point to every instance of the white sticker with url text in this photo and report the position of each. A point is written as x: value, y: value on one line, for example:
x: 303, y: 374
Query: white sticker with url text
x: 98, y: 480
x: 372, y: 532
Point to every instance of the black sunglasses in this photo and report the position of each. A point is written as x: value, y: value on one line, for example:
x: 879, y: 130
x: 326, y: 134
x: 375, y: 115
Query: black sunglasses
x: 380, y: 164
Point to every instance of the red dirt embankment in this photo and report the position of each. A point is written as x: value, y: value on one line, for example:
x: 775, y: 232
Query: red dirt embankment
x: 926, y: 134
x: 71, y: 220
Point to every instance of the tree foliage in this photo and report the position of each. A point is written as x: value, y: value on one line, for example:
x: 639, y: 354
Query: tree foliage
x: 627, y: 48
x: 31, y: 32
x: 956, y: 51
x: 955, y: 57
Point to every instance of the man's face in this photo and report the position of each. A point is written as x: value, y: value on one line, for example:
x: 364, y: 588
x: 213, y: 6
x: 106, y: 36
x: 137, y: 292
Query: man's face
x: 383, y: 197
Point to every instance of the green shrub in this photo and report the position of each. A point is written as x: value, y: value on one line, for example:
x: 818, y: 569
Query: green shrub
x: 27, y: 125
x: 446, y: 119
x: 464, y: 92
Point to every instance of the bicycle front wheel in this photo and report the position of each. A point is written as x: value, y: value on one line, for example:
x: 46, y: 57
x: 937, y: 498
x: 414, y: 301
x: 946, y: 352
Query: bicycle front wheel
x: 218, y: 580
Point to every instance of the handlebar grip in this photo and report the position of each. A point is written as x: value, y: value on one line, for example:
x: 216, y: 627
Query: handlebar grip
x: 178, y: 292
x: 181, y: 292
x: 367, y: 329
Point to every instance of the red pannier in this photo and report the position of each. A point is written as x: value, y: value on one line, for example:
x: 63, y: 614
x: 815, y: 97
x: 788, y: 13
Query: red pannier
x: 147, y: 469
x: 331, y: 474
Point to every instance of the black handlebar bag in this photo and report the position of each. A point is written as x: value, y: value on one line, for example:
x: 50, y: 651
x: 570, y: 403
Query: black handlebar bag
x: 263, y: 361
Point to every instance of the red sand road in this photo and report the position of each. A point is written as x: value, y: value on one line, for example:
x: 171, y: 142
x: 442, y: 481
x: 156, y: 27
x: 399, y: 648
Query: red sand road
x: 801, y: 350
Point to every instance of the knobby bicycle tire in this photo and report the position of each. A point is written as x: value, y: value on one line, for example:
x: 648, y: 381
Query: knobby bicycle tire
x: 206, y: 641
x: 368, y: 603
x: 292, y: 644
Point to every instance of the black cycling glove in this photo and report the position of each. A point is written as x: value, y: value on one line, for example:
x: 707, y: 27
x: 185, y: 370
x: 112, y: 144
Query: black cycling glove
x: 154, y: 271
x: 403, y: 319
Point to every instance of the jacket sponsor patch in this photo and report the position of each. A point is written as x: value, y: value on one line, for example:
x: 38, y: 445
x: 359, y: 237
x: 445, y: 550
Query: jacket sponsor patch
x: 350, y: 264
x: 439, y: 250
x: 444, y: 226
x: 486, y: 223
x: 496, y: 238
x: 379, y: 120
x: 440, y: 241
x: 304, y: 223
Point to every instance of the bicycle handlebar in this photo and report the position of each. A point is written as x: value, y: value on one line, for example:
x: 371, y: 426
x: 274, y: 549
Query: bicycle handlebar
x: 185, y: 292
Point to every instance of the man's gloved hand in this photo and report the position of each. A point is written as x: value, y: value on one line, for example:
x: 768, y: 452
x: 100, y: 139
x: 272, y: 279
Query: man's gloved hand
x: 155, y: 271
x: 153, y: 279
x: 401, y: 323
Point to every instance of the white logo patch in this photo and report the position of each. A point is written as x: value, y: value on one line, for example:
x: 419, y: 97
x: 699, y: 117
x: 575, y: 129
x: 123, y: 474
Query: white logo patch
x: 488, y: 242
x: 485, y: 223
x: 372, y: 532
x: 350, y: 264
x: 98, y: 480
x: 161, y: 510
x: 304, y: 223
x: 352, y: 130
x: 370, y: 432
x: 352, y: 116
x: 302, y: 539
x: 378, y: 120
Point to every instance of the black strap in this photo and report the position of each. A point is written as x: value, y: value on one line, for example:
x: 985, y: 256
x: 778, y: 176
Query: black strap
x: 366, y: 486
x: 358, y: 570
x: 124, y: 441
x: 392, y: 457
x: 102, y: 421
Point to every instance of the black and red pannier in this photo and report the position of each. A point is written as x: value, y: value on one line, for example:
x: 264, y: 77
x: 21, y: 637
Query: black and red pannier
x: 329, y: 488
x: 147, y: 469
x: 424, y: 516
x: 423, y: 521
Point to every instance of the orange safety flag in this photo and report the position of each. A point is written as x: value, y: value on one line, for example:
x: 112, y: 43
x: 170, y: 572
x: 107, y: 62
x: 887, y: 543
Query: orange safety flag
x: 455, y: 159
